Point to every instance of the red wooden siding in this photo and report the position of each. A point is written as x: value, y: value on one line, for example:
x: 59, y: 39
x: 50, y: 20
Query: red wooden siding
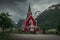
x: 28, y: 21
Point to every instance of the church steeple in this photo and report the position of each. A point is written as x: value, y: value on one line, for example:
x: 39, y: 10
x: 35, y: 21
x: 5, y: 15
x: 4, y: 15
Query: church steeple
x: 30, y: 24
x: 29, y: 12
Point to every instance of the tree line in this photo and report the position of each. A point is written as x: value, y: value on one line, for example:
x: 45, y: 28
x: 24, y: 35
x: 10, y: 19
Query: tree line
x: 5, y: 21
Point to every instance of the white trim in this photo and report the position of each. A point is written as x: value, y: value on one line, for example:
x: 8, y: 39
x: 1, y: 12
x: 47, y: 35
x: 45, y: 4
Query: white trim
x: 33, y: 18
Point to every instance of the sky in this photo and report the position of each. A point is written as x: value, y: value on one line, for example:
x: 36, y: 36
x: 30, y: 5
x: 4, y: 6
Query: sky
x: 19, y: 8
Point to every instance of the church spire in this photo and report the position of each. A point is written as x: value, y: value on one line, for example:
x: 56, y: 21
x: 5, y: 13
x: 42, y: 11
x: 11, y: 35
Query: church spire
x: 29, y: 8
x: 29, y: 11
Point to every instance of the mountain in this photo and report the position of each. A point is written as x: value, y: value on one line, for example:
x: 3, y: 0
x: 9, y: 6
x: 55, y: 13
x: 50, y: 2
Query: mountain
x: 14, y: 24
x: 50, y: 17
x: 20, y: 22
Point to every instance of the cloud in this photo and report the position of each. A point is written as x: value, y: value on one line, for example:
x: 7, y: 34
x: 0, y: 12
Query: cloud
x: 18, y: 8
x: 12, y: 1
x: 42, y: 4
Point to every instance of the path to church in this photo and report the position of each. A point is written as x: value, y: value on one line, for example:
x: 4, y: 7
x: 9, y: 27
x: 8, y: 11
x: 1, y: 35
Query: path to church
x: 35, y: 37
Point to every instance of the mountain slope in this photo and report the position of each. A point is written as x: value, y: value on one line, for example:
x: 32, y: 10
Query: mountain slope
x: 19, y: 23
x: 14, y: 24
x: 50, y: 17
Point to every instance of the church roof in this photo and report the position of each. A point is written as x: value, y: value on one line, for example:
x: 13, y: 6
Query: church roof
x: 29, y: 19
x: 29, y: 11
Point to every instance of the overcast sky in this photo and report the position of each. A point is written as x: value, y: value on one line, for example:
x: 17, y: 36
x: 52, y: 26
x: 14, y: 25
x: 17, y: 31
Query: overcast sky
x: 18, y: 8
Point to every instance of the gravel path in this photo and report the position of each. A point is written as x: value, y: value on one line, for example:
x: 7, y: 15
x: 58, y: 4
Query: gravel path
x: 34, y: 37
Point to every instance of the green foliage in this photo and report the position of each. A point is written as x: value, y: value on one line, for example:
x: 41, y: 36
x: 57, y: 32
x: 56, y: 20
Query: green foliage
x: 49, y: 18
x: 5, y: 36
x: 58, y: 28
x: 5, y: 21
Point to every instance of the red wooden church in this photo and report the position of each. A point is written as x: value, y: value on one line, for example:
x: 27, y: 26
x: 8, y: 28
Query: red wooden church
x: 30, y: 24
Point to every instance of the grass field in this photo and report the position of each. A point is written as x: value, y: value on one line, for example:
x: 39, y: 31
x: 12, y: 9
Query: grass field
x: 5, y: 36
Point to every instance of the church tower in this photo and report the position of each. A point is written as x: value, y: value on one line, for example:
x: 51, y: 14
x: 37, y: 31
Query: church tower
x: 30, y: 24
x: 29, y: 11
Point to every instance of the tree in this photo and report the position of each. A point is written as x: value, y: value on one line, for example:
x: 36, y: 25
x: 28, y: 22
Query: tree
x: 5, y: 21
x: 44, y: 29
x: 58, y: 29
x: 58, y: 26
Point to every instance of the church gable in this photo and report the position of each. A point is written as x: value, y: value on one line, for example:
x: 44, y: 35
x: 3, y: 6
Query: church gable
x: 30, y: 24
x: 29, y: 19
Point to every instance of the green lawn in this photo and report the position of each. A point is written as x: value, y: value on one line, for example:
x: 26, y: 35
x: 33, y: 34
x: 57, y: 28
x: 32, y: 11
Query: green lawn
x: 5, y: 36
